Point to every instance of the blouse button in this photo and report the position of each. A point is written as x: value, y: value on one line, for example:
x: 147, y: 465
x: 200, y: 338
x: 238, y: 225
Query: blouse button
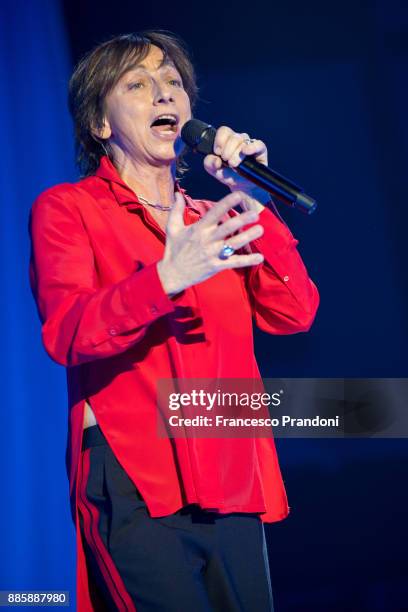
x: 286, y: 278
x: 153, y: 309
x: 113, y: 331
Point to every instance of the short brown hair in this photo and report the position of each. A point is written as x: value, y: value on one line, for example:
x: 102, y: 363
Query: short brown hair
x: 97, y: 74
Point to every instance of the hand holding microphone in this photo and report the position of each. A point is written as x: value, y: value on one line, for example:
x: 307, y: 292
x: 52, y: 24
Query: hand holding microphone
x: 230, y: 149
x: 241, y: 162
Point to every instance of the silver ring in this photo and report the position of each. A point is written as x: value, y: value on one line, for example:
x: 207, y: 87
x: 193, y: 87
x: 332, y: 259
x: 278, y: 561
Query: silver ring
x: 226, y: 251
x: 249, y: 140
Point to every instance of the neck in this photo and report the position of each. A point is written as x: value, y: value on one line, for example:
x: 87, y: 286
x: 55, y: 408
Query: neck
x: 155, y: 183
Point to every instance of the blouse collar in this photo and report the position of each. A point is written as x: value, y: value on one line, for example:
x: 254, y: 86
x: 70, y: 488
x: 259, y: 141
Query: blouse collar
x: 123, y: 193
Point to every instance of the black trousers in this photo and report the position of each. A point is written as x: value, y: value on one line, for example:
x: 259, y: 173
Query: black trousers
x: 190, y: 561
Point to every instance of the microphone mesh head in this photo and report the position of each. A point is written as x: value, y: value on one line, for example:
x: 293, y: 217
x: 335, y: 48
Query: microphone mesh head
x: 198, y: 135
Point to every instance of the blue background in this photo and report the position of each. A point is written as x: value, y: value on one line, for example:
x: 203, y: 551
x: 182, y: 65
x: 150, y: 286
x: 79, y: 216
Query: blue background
x: 324, y: 84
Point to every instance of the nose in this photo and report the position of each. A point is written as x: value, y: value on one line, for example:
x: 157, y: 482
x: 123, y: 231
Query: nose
x: 162, y: 93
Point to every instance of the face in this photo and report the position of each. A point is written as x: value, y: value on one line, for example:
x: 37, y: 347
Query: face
x: 144, y: 93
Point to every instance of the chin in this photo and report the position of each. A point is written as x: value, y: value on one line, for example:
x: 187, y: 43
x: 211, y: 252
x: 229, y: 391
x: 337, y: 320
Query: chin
x: 168, y: 155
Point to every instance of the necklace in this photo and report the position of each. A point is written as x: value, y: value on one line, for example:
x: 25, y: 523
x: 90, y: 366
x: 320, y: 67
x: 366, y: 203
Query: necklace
x: 159, y: 206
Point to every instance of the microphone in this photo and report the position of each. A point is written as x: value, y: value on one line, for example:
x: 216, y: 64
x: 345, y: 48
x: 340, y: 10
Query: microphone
x: 200, y: 137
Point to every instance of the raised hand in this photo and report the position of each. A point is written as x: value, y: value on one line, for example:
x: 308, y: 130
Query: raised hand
x: 192, y: 252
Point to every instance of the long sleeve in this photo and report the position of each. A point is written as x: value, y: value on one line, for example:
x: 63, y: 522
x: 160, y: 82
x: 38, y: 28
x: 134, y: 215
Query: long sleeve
x: 284, y: 299
x: 80, y: 320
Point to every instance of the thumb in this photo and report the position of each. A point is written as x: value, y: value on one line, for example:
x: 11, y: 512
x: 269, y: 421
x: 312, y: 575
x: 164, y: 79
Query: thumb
x: 212, y: 163
x: 175, y: 221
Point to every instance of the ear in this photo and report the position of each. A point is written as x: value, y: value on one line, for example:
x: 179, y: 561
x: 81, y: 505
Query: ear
x: 104, y: 131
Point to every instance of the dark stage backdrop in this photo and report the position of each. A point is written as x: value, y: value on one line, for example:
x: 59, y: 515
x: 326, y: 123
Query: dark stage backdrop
x: 325, y: 85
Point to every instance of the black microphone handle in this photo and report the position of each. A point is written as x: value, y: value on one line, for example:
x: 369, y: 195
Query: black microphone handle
x: 277, y: 185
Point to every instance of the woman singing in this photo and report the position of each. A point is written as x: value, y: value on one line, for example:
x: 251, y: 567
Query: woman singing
x: 136, y: 281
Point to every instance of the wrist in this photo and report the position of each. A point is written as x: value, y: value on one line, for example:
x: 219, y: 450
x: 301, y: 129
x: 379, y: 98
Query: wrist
x: 259, y: 196
x: 166, y: 280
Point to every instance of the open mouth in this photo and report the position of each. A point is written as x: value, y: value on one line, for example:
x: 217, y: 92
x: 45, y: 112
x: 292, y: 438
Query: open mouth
x: 165, y: 124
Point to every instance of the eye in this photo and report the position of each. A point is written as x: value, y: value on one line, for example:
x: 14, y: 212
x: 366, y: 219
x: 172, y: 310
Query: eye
x: 177, y: 82
x: 135, y: 85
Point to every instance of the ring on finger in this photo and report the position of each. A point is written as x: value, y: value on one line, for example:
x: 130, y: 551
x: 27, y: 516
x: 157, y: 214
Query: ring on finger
x: 226, y: 251
x: 249, y: 140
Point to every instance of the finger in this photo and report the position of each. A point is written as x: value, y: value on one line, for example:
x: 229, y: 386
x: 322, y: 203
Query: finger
x: 233, y: 143
x: 215, y: 214
x: 235, y: 223
x: 241, y: 261
x: 241, y: 239
x: 221, y: 136
x: 235, y: 155
x: 175, y: 220
x: 212, y: 163
x: 256, y: 149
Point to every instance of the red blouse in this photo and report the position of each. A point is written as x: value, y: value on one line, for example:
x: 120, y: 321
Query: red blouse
x: 106, y: 317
